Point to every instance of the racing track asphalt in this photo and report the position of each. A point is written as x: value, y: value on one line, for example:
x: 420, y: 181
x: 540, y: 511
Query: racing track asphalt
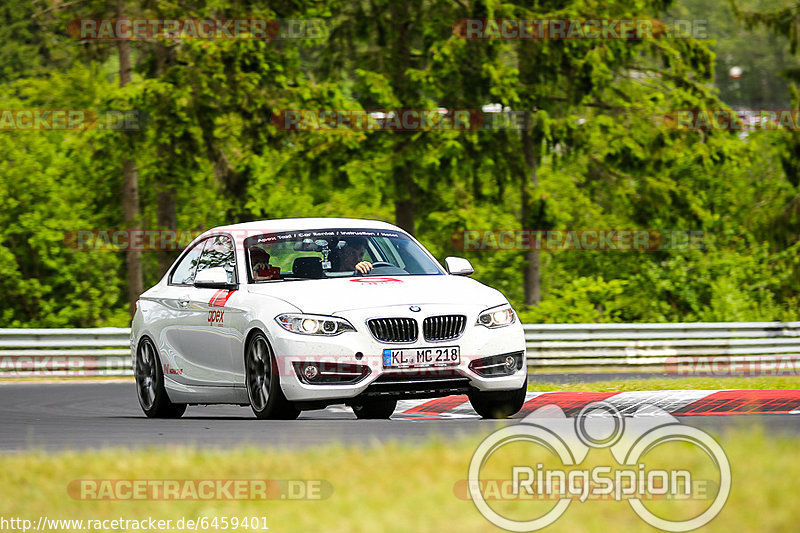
x: 80, y: 415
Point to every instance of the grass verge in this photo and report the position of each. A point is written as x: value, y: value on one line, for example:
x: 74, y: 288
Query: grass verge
x: 395, y: 487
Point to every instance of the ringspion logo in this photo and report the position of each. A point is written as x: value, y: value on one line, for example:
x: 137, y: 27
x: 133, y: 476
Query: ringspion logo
x: 630, y: 477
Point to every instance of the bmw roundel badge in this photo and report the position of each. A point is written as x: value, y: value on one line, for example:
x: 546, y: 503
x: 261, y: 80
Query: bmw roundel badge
x: 415, y: 309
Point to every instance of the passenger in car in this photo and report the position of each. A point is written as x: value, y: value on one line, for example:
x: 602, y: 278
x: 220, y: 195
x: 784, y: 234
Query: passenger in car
x: 261, y: 269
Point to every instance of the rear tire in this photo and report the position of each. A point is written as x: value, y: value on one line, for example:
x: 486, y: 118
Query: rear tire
x: 501, y: 404
x: 375, y: 410
x: 150, y: 384
x: 262, y: 380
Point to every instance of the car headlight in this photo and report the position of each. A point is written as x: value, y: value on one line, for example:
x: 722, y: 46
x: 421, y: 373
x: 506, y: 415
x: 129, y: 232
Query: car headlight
x: 313, y: 324
x: 497, y: 318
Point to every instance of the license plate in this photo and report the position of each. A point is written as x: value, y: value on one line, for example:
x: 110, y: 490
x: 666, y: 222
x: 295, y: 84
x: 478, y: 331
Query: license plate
x: 421, y: 357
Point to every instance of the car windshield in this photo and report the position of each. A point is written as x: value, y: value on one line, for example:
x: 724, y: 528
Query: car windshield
x: 333, y: 253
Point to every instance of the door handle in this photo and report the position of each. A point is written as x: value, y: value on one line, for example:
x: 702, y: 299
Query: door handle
x: 184, y: 302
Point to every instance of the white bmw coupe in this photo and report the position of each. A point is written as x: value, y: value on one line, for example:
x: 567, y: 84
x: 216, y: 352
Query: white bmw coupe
x: 296, y: 314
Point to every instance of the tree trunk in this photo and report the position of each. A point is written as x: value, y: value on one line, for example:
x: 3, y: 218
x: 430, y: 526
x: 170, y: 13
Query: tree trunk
x: 532, y: 272
x: 167, y: 220
x: 404, y: 200
x: 403, y: 178
x: 130, y: 185
x: 130, y: 206
x: 166, y: 212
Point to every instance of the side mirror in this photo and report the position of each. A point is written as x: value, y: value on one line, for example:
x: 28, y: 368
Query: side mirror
x: 213, y: 278
x: 458, y: 266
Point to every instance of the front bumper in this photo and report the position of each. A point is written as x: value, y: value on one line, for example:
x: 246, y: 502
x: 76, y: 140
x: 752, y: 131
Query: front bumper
x: 359, y: 354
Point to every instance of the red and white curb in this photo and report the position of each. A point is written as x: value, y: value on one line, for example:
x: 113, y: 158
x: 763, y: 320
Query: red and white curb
x: 675, y: 402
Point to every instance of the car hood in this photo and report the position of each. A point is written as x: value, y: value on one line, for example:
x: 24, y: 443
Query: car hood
x: 330, y: 296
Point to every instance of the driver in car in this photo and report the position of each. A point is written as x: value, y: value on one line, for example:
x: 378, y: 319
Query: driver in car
x: 351, y: 256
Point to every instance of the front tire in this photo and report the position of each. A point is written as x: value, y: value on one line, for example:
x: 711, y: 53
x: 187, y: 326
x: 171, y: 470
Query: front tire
x: 500, y: 404
x: 150, y: 384
x: 375, y: 410
x: 263, y: 382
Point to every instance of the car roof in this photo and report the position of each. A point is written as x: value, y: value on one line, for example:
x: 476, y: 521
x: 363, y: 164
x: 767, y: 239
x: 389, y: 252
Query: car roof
x: 246, y: 229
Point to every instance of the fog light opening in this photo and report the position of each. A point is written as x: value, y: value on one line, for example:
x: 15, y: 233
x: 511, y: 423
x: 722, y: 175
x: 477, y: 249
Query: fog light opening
x: 510, y: 361
x: 311, y: 371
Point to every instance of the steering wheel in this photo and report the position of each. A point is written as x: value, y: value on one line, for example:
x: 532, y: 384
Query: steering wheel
x: 377, y: 264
